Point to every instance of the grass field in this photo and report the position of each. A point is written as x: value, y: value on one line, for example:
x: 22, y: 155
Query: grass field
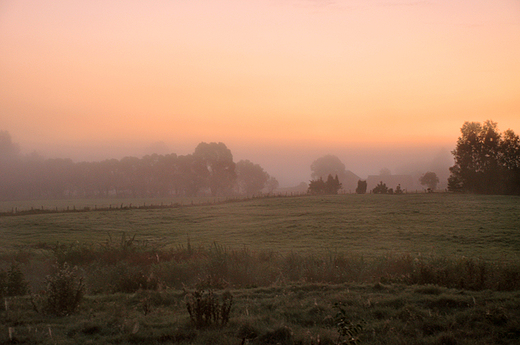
x: 282, y: 315
x: 370, y: 225
x: 430, y: 269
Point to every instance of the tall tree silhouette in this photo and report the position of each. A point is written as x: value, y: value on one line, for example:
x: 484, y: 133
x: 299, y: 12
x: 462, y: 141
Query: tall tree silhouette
x: 485, y: 161
x: 220, y: 168
x: 251, y: 178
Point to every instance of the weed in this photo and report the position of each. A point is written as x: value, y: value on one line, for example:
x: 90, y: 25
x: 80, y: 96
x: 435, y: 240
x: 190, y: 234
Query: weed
x: 206, y: 310
x: 349, y: 331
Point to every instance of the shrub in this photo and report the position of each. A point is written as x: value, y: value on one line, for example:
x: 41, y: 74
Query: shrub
x: 206, y: 310
x: 361, y: 187
x: 381, y: 188
x: 129, y: 279
x: 12, y: 282
x: 64, y: 292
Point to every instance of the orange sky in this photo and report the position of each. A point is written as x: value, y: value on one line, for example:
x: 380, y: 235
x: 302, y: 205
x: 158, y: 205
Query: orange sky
x: 257, y: 73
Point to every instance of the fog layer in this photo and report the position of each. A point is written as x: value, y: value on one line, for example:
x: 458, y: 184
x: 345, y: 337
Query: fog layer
x: 290, y: 165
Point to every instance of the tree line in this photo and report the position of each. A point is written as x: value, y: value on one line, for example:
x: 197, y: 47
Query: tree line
x: 209, y: 170
x: 486, y: 162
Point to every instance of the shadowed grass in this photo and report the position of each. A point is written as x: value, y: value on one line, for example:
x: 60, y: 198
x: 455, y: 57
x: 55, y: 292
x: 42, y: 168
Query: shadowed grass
x: 290, y: 314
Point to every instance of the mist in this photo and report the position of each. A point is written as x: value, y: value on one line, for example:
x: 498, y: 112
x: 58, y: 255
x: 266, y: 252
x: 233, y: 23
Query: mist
x: 290, y: 165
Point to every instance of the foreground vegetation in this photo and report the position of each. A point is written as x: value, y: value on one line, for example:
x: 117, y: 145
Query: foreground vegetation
x: 280, y: 314
x: 307, y: 270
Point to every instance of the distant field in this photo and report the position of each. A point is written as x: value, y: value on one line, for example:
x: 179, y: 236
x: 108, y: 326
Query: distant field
x: 440, y: 224
x: 79, y: 204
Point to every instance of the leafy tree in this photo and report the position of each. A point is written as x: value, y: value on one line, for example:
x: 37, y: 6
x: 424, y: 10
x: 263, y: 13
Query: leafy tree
x: 429, y: 179
x: 485, y: 161
x: 509, y: 159
x: 8, y: 149
x: 319, y: 186
x: 133, y: 180
x: 327, y: 165
x: 361, y: 187
x: 381, y: 188
x: 251, y: 178
x: 272, y: 184
x: 331, y: 165
x: 332, y: 185
x: 220, y: 168
x: 191, y: 174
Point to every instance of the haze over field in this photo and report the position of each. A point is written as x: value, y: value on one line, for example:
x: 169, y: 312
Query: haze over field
x: 281, y: 83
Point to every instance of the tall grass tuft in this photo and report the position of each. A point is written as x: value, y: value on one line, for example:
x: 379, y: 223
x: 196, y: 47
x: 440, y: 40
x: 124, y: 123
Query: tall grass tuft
x: 205, y: 308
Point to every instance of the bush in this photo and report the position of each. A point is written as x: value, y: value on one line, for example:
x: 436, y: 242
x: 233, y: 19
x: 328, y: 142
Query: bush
x: 12, y: 282
x: 64, y: 292
x: 381, y: 188
x: 361, y: 187
x: 206, y: 310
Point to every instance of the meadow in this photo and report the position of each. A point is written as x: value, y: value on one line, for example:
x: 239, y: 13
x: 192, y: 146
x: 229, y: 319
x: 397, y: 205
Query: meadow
x: 439, y: 224
x: 340, y: 269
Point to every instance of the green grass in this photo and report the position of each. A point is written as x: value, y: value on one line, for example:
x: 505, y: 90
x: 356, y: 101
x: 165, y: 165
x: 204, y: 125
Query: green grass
x: 284, y: 314
x: 445, y: 225
x: 290, y: 264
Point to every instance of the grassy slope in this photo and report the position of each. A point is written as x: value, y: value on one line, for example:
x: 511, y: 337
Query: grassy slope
x: 370, y: 225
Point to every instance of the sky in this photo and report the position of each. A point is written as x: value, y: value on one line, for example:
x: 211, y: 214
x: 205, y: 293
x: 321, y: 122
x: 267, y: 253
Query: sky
x: 280, y: 82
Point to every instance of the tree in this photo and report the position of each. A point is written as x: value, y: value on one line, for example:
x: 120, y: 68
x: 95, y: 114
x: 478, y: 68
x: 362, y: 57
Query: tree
x: 429, y: 179
x: 251, y: 178
x: 319, y: 186
x: 509, y: 159
x: 327, y: 165
x: 8, y: 149
x: 381, y: 188
x: 477, y: 155
x: 220, y: 168
x: 272, y: 184
x: 361, y: 187
x: 11, y: 169
x: 331, y: 165
x: 332, y: 185
x: 191, y: 174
